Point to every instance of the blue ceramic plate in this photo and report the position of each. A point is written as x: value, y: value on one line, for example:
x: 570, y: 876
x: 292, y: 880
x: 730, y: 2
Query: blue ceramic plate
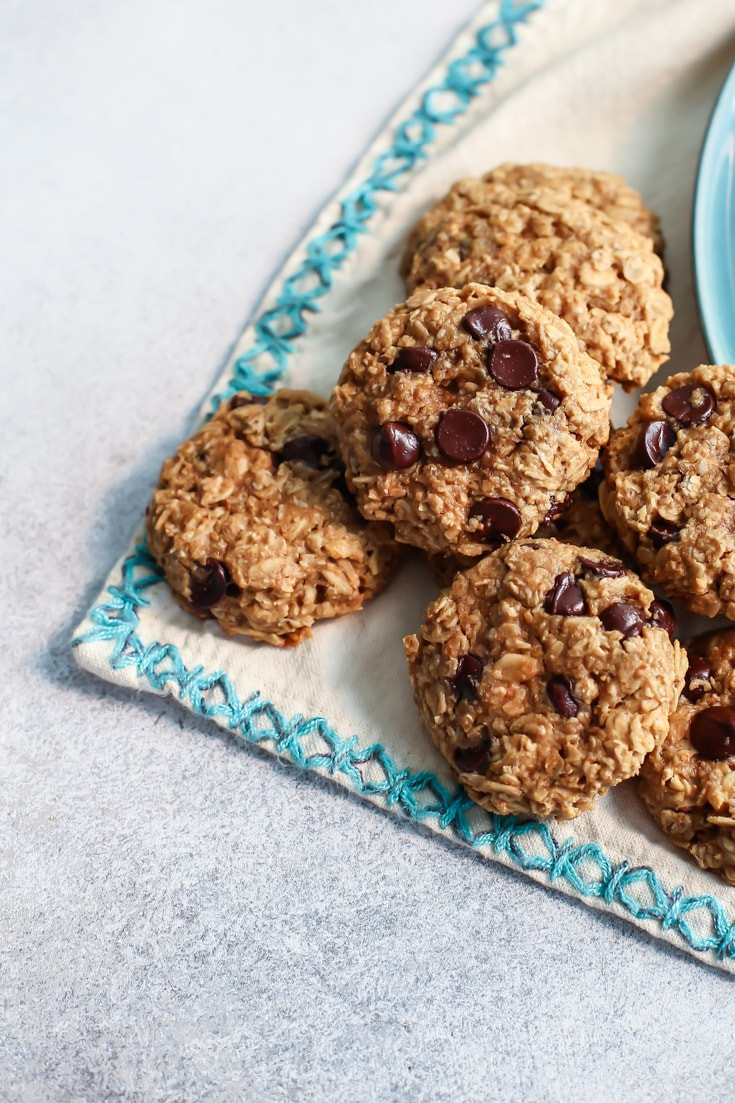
x: 714, y: 228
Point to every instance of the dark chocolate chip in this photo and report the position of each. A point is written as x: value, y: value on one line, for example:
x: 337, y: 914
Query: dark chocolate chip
x: 238, y: 400
x: 413, y: 360
x: 558, y: 509
x: 691, y: 404
x: 549, y: 401
x: 467, y: 677
x: 712, y: 732
x: 395, y: 446
x: 661, y: 615
x: 624, y: 618
x: 475, y: 759
x: 462, y: 435
x: 308, y: 449
x: 500, y: 520
x: 654, y: 442
x: 487, y: 321
x: 513, y: 364
x: 208, y: 584
x: 663, y: 532
x: 605, y: 568
x: 565, y: 598
x: 560, y: 691
x: 698, y: 671
x: 591, y: 485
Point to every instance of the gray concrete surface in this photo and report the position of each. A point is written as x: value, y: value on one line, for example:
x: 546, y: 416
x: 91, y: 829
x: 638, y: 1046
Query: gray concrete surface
x: 157, y: 162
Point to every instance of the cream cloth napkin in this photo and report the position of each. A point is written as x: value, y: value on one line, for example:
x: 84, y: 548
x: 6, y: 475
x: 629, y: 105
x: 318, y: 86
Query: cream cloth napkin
x: 626, y: 86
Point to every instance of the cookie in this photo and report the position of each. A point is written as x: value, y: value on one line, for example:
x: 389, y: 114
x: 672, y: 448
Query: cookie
x: 601, y: 276
x: 253, y: 524
x: 688, y: 783
x: 669, y: 491
x: 545, y: 674
x: 465, y: 416
x: 605, y: 191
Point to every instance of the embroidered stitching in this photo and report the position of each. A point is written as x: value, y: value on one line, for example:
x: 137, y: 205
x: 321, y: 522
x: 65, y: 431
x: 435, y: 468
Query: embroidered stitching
x: 372, y: 772
x: 276, y: 329
x: 531, y: 846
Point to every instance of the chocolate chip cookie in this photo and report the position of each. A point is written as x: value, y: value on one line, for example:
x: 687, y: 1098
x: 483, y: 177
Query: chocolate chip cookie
x: 600, y: 275
x: 465, y: 416
x: 669, y: 488
x: 253, y: 524
x: 545, y: 673
x: 688, y: 782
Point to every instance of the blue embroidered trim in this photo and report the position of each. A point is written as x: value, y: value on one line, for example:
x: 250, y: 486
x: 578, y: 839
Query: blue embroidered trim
x: 277, y: 329
x: 529, y: 845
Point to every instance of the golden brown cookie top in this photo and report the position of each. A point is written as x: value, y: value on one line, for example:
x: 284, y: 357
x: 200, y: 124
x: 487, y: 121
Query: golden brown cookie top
x: 545, y: 674
x: 465, y: 415
x: 253, y: 524
x: 606, y: 191
x: 688, y: 783
x: 669, y: 488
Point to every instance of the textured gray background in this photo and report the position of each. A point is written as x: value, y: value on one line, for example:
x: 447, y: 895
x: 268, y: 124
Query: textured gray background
x: 158, y: 160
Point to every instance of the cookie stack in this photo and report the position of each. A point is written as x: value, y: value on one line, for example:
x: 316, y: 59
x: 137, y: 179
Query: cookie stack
x: 469, y: 424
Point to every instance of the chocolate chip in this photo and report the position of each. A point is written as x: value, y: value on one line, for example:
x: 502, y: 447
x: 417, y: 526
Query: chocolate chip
x: 605, y: 568
x: 653, y: 443
x: 558, y: 509
x: 231, y: 588
x: 462, y: 435
x: 208, y: 584
x: 712, y: 732
x: 513, y: 364
x: 698, y: 670
x: 549, y: 401
x: 395, y: 446
x: 565, y: 598
x: 560, y: 691
x: 413, y: 360
x: 238, y: 400
x: 591, y: 485
x: 308, y: 449
x: 467, y: 677
x: 499, y: 519
x: 475, y: 759
x: 624, y: 618
x: 663, y: 532
x: 661, y: 615
x: 691, y: 404
x: 487, y: 321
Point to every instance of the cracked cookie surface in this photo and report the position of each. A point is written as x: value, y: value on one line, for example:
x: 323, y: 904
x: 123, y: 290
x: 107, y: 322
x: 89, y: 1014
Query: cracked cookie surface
x: 545, y: 674
x: 606, y: 191
x: 600, y: 275
x: 465, y: 416
x: 669, y: 488
x: 688, y: 783
x: 253, y: 525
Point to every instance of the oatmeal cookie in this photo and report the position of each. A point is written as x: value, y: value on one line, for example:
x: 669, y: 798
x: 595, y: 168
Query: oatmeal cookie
x: 465, y: 416
x: 601, y: 276
x: 253, y: 524
x: 606, y: 191
x: 669, y: 488
x: 688, y: 783
x: 545, y: 674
